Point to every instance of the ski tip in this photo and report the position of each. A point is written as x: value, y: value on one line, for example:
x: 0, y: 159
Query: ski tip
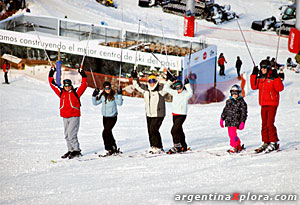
x: 53, y: 161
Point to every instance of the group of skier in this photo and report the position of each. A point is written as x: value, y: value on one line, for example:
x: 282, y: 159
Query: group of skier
x: 234, y: 114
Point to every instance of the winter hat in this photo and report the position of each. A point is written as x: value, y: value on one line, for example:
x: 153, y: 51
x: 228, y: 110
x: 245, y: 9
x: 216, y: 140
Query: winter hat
x: 106, y: 83
x: 265, y: 64
x: 152, y: 79
x: 67, y: 82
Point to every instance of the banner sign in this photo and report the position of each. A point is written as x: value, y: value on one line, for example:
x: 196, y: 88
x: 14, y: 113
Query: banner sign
x: 294, y: 41
x: 95, y: 50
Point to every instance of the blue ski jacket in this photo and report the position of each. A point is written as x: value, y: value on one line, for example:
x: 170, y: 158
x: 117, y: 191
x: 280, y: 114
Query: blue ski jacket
x: 109, y: 109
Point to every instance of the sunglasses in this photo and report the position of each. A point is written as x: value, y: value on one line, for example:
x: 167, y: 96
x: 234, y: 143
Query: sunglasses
x: 107, y: 88
x: 152, y: 81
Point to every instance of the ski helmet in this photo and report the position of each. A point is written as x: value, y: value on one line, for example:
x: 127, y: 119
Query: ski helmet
x: 236, y: 89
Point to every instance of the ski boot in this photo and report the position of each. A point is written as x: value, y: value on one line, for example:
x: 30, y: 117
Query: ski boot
x: 66, y: 155
x: 236, y: 149
x: 74, y: 154
x: 155, y: 150
x: 176, y: 149
x: 262, y: 147
x: 273, y: 146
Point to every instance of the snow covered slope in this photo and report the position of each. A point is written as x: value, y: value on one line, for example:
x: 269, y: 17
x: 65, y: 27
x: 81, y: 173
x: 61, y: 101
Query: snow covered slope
x: 32, y: 131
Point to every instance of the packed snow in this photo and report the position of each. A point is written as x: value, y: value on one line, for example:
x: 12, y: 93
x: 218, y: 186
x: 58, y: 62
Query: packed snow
x: 32, y: 139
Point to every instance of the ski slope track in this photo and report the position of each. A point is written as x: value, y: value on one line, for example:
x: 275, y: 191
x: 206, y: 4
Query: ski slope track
x: 31, y: 136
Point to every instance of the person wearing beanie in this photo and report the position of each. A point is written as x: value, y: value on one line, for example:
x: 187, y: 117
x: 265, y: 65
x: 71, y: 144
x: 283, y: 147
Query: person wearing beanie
x: 181, y: 95
x: 109, y: 100
x: 269, y: 84
x: 69, y: 110
x: 153, y: 93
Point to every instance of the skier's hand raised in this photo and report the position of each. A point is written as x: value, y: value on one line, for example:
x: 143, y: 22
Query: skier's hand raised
x: 96, y: 92
x: 255, y: 70
x: 134, y: 75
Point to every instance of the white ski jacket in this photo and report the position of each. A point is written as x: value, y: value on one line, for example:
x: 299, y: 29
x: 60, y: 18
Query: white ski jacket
x: 153, y: 97
x: 180, y: 101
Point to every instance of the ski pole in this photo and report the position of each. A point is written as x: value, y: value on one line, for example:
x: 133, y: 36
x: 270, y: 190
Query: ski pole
x: 137, y: 43
x: 161, y: 63
x: 121, y: 60
x: 42, y: 44
x: 86, y: 54
x: 278, y: 45
x: 162, y: 29
x: 247, y: 48
x: 86, y: 47
x: 245, y: 42
x: 188, y: 71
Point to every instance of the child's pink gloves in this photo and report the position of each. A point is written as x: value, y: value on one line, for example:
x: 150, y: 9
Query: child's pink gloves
x: 221, y: 123
x: 242, y: 125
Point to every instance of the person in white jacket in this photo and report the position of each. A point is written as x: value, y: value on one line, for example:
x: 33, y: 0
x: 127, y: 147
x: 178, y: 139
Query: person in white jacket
x: 181, y: 95
x: 153, y: 93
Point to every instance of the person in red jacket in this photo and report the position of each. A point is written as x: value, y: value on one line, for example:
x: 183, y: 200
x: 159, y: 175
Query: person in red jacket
x: 221, y: 63
x: 6, y: 68
x: 269, y: 84
x: 70, y: 110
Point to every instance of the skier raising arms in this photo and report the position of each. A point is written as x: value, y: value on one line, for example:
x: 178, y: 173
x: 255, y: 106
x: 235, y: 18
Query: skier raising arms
x: 181, y: 95
x: 70, y: 110
x: 155, y: 109
x: 269, y: 84
x: 109, y: 99
x: 234, y: 114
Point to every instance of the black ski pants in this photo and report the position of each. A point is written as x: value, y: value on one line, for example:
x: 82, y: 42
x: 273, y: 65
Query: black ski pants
x: 177, y: 130
x: 222, y: 70
x: 108, y: 138
x: 6, y: 77
x: 153, y: 124
x: 238, y: 70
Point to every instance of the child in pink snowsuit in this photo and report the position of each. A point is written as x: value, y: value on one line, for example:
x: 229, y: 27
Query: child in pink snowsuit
x: 234, y: 114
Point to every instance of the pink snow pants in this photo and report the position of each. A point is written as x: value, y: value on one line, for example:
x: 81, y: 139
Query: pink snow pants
x: 234, y: 139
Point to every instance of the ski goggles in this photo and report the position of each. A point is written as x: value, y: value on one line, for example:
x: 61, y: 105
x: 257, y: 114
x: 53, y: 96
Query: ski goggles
x: 265, y: 66
x: 152, y: 81
x: 234, y: 93
x: 178, y: 87
x: 67, y: 83
x: 107, y: 88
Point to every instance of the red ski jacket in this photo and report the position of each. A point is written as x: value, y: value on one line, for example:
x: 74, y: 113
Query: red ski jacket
x: 269, y: 89
x: 5, y: 67
x: 69, y: 102
x: 221, y: 61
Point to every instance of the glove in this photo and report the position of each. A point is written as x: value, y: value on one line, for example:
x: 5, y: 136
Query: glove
x: 134, y: 75
x: 52, y: 71
x: 82, y: 73
x: 274, y: 73
x: 281, y: 75
x: 96, y: 92
x: 119, y: 91
x: 186, y: 81
x: 221, y: 123
x: 170, y: 76
x: 242, y: 125
x: 255, y: 70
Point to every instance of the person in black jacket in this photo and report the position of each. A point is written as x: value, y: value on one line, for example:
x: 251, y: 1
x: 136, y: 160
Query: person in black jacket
x: 234, y: 114
x: 238, y: 65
